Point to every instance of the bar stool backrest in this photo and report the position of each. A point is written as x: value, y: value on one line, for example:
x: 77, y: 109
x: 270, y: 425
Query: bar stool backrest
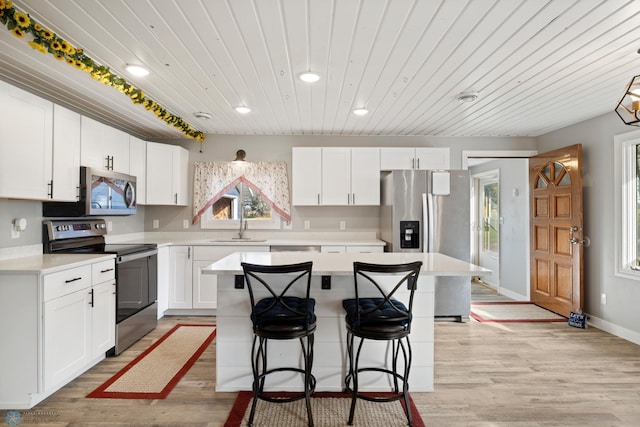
x: 385, y: 300
x: 292, y: 302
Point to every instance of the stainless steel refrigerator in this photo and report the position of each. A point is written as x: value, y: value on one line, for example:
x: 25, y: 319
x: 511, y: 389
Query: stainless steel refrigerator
x: 428, y: 211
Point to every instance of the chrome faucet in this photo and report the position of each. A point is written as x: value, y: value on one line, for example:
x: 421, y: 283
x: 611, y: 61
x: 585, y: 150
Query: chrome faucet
x: 243, y: 228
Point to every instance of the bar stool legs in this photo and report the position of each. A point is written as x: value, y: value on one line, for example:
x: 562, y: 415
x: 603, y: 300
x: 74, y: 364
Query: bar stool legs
x: 260, y: 371
x: 351, y: 380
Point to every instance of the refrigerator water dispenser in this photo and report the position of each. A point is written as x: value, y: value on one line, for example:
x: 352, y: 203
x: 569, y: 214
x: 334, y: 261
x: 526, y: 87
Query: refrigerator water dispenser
x: 410, y: 234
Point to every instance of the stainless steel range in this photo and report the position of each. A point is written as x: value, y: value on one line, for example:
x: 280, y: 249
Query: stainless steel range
x: 136, y: 273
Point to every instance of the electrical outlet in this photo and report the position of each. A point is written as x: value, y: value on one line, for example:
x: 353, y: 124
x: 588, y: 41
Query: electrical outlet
x: 15, y: 234
x: 603, y: 299
x: 156, y: 223
x: 343, y: 225
x: 185, y: 223
x: 307, y: 224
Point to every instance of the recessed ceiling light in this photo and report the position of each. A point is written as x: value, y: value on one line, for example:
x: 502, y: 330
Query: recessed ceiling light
x: 309, y: 77
x: 202, y: 115
x: 242, y: 109
x: 360, y: 111
x: 467, y: 96
x: 137, y: 70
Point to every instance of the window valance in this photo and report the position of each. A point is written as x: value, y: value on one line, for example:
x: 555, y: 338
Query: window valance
x: 211, y: 180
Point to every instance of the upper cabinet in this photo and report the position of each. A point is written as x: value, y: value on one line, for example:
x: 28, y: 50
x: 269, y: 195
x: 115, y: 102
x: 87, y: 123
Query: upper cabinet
x: 306, y: 176
x: 167, y: 171
x: 425, y: 158
x: 104, y: 147
x: 26, y: 144
x: 350, y: 176
x: 335, y: 176
x: 66, y: 155
x: 138, y: 167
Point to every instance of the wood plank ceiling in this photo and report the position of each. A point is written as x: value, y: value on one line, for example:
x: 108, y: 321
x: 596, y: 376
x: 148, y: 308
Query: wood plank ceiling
x: 537, y: 65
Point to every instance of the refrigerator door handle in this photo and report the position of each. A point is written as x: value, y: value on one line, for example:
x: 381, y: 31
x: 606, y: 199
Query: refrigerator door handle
x: 428, y: 221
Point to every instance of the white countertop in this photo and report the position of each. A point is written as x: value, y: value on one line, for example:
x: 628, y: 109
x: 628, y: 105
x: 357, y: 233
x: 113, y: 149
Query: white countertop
x: 257, y: 238
x: 49, y: 263
x: 434, y: 264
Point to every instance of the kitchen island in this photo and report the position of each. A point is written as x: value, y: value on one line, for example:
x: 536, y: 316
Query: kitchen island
x: 234, y: 331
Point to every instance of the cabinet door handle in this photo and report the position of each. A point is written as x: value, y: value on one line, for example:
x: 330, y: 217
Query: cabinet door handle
x: 78, y: 193
x: 175, y: 198
x: 111, y: 162
x: 108, y: 269
x: 318, y: 198
x: 348, y: 198
x: 75, y: 279
x: 91, y: 293
x: 418, y: 163
x: 50, y: 189
x: 189, y: 252
x: 353, y: 199
x: 413, y: 163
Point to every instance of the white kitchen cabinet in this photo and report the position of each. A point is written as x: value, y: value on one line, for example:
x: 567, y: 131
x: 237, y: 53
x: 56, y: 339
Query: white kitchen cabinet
x: 189, y: 288
x: 336, y: 176
x: 164, y: 279
x: 306, y: 176
x: 63, y: 325
x: 26, y: 147
x: 167, y: 174
x: 66, y: 155
x: 180, y: 285
x: 67, y: 337
x: 424, y: 158
x: 103, y: 147
x: 351, y: 249
x: 79, y: 325
x: 205, y: 287
x: 365, y: 177
x: 138, y: 167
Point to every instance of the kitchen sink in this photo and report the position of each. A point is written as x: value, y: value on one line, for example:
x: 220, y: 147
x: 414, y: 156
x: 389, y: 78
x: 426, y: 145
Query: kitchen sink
x: 237, y: 239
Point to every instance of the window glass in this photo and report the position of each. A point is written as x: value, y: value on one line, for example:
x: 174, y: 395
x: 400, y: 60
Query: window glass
x: 241, y: 202
x: 490, y: 236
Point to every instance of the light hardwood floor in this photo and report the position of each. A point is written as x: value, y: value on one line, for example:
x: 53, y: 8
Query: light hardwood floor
x: 486, y: 374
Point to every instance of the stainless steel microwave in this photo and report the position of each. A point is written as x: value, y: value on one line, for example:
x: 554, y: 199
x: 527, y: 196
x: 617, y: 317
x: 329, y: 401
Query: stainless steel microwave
x: 101, y: 193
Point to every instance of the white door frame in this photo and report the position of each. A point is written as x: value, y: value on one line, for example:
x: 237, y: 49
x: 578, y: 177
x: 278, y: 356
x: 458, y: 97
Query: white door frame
x: 494, y: 154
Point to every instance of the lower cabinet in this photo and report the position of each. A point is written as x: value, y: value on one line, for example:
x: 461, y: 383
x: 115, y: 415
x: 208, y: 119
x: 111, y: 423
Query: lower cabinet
x: 64, y: 324
x: 189, y: 288
x: 351, y: 249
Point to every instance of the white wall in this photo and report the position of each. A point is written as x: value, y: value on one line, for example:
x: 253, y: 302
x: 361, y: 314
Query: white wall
x: 620, y: 315
x: 514, y: 231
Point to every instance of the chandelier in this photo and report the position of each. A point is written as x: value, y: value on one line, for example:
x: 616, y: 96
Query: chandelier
x: 629, y: 106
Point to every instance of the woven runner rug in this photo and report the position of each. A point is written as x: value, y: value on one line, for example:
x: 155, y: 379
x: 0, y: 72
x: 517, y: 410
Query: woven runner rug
x: 512, y: 312
x: 329, y: 410
x: 157, y: 370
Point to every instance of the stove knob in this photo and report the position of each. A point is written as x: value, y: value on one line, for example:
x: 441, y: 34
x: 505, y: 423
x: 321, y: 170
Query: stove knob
x: 66, y: 228
x: 58, y: 228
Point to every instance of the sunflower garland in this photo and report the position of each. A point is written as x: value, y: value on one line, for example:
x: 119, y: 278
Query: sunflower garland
x: 46, y: 41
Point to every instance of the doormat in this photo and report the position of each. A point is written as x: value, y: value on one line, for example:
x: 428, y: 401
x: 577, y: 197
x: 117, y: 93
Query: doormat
x: 157, y: 370
x: 328, y: 408
x: 512, y: 312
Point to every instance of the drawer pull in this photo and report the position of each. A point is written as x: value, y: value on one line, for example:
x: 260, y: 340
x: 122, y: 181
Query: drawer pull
x: 73, y: 280
x: 107, y: 270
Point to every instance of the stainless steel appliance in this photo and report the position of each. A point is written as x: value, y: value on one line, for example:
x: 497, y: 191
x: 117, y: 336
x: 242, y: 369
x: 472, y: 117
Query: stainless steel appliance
x: 136, y: 273
x: 101, y: 192
x: 428, y: 211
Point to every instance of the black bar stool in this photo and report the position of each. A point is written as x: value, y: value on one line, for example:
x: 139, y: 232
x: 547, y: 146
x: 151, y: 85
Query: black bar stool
x: 376, y: 313
x: 283, y: 315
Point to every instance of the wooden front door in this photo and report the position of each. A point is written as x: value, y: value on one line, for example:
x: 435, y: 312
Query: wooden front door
x: 555, y: 181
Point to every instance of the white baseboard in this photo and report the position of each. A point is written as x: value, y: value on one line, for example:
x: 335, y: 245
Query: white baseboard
x: 513, y: 295
x: 614, y: 329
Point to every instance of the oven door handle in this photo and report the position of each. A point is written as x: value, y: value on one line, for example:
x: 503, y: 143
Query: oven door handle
x: 135, y: 256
